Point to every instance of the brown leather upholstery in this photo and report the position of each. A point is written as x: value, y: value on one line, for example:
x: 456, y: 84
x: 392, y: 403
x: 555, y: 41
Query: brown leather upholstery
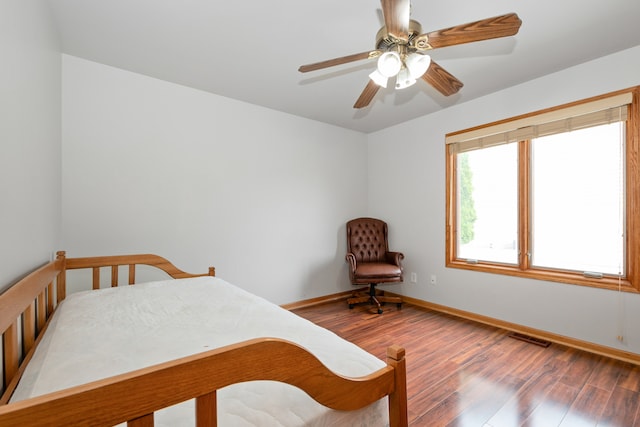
x: 370, y: 261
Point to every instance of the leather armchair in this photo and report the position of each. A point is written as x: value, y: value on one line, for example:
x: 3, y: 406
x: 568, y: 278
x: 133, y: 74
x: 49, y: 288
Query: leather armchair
x: 371, y: 262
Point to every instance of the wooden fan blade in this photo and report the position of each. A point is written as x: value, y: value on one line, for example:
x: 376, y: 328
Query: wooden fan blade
x: 396, y: 18
x: 367, y: 95
x: 441, y: 80
x: 337, y: 61
x: 491, y: 28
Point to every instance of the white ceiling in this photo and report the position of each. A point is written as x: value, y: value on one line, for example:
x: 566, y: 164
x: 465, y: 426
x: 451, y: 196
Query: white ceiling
x: 250, y: 50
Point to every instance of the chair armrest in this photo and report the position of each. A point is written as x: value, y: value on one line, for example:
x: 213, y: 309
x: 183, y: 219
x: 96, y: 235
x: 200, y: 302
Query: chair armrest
x: 394, y: 258
x: 351, y: 259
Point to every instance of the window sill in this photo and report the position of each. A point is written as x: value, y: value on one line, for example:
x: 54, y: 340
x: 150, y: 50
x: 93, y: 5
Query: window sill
x: 607, y: 282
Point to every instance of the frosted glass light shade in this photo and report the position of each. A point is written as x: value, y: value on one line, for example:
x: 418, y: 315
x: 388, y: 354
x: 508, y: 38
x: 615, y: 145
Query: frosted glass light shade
x: 404, y: 79
x: 417, y: 64
x: 378, y: 78
x: 389, y: 64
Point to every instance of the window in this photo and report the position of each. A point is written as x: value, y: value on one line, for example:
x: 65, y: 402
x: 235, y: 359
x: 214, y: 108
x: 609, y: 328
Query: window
x: 549, y: 195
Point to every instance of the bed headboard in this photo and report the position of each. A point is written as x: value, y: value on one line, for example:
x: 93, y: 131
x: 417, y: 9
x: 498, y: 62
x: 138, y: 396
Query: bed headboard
x: 26, y: 307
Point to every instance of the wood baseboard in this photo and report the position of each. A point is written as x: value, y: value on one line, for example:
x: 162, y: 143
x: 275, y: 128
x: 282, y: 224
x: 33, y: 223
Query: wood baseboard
x: 317, y: 301
x: 590, y: 347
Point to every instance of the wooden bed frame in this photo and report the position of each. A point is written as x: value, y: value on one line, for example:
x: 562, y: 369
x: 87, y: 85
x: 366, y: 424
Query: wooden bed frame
x: 26, y: 307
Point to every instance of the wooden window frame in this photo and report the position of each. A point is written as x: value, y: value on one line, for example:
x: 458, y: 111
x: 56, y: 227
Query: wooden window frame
x: 631, y: 280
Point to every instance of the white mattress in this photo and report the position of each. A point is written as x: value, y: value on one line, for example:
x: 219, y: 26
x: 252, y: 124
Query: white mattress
x: 97, y: 334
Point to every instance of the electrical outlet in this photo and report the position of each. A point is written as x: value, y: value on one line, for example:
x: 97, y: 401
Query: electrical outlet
x: 414, y: 277
x: 433, y: 279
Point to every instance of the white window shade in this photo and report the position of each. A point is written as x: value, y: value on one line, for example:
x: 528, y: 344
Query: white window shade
x: 602, y: 111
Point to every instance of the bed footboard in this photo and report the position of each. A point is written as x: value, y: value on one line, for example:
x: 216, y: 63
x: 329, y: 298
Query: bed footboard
x: 200, y: 376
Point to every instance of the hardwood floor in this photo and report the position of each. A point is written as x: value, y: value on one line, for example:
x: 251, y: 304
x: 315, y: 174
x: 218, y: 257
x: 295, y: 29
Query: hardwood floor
x: 461, y: 373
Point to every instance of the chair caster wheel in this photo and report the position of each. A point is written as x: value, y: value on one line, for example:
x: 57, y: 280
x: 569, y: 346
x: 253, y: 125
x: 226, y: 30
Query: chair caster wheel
x: 350, y: 306
x: 379, y: 311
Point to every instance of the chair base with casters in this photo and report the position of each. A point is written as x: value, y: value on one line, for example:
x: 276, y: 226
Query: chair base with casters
x: 372, y: 296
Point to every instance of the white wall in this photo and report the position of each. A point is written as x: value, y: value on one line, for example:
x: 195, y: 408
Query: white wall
x: 408, y: 190
x: 29, y: 137
x: 150, y: 166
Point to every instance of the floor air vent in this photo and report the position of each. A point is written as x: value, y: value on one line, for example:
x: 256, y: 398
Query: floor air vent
x: 532, y: 340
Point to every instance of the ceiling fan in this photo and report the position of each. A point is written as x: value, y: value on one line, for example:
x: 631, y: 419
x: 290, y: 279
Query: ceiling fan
x: 402, y: 50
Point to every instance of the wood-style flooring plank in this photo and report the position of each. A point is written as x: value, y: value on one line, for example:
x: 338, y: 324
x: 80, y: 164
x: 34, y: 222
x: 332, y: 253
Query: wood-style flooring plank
x: 630, y: 378
x: 530, y: 396
x: 464, y: 374
x: 554, y: 407
x: 621, y: 410
x: 606, y: 374
x: 587, y: 408
x: 580, y: 369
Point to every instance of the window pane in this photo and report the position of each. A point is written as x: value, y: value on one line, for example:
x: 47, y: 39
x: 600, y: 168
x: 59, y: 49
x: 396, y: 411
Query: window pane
x: 578, y: 200
x: 488, y: 204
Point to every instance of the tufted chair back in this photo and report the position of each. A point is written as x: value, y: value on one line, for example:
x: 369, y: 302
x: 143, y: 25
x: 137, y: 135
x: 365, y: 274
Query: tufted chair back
x: 367, y: 239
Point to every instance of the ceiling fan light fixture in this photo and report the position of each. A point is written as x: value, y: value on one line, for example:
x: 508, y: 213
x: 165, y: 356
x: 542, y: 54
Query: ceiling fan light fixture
x: 378, y: 78
x: 389, y: 64
x: 404, y: 79
x: 417, y: 64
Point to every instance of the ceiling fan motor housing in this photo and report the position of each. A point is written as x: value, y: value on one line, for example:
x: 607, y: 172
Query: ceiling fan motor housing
x: 386, y: 42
